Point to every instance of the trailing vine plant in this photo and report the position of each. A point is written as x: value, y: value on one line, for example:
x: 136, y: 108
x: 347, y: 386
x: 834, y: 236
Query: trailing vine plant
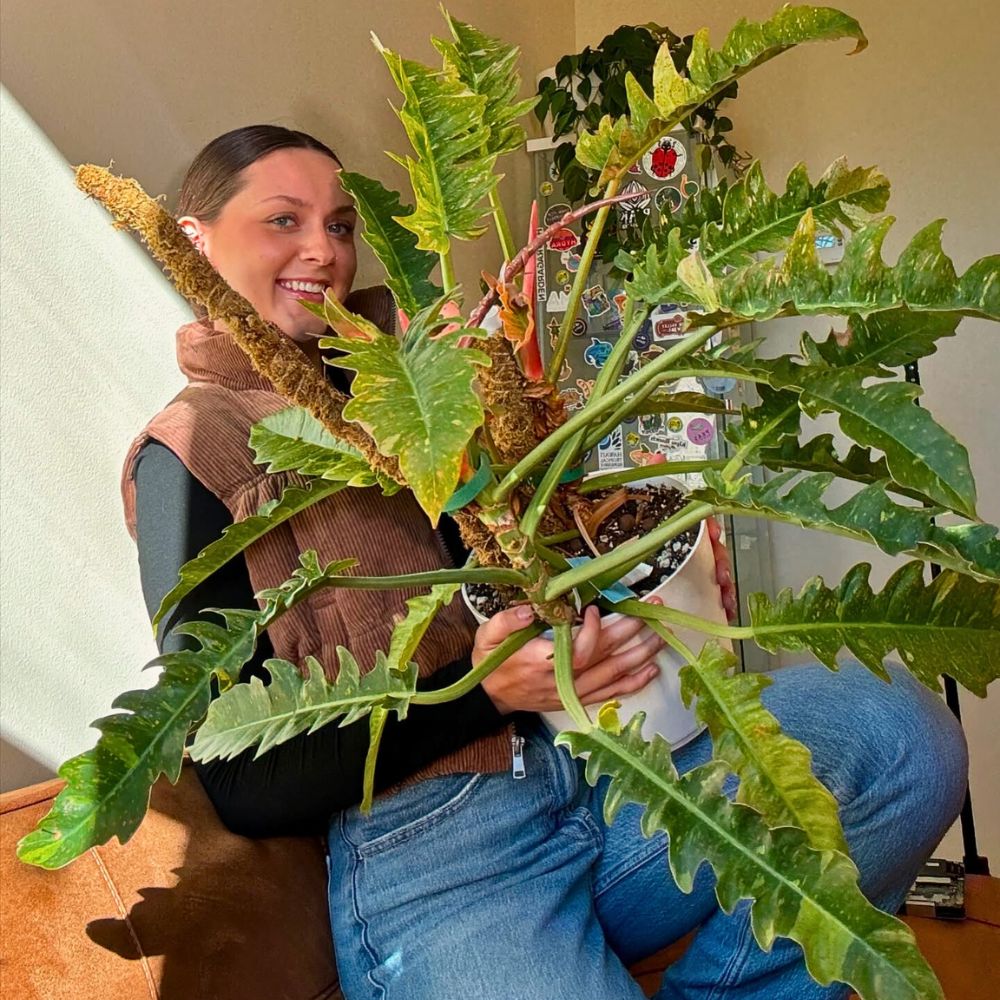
x: 468, y: 426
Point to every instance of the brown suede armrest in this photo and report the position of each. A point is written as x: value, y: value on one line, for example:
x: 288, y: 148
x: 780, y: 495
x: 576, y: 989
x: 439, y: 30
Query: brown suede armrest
x: 185, y: 911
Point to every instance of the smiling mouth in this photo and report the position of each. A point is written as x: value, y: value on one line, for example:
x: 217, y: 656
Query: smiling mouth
x: 311, y: 291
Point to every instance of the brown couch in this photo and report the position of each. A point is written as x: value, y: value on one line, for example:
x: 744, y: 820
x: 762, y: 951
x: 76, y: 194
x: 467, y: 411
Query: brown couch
x: 188, y: 911
x: 184, y: 911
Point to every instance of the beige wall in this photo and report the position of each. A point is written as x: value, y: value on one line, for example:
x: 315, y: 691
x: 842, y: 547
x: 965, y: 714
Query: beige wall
x: 148, y: 84
x: 920, y: 103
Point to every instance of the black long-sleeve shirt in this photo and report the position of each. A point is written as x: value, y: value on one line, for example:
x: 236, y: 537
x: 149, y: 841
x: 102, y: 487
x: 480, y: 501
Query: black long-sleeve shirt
x: 294, y: 787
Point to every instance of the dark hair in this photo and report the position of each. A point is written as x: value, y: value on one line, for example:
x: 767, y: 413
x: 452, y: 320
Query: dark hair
x: 214, y: 175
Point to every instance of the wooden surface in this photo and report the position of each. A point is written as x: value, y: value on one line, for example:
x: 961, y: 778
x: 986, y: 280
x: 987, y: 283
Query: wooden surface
x: 965, y: 954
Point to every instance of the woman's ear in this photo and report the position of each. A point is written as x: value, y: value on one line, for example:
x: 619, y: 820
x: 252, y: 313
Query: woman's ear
x: 194, y: 231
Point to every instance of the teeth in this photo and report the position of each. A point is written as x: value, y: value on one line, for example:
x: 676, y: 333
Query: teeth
x: 304, y: 286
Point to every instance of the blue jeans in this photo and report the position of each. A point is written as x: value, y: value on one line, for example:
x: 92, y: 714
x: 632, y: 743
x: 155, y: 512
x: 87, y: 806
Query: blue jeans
x: 480, y: 887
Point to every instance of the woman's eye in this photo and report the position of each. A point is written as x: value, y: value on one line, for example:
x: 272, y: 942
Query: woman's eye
x: 340, y: 228
x: 283, y: 221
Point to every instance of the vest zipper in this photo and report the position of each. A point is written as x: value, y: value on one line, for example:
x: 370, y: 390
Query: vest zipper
x: 517, y: 754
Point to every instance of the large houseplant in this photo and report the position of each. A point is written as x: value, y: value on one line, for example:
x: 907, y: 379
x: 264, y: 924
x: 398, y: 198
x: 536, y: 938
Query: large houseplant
x: 448, y: 412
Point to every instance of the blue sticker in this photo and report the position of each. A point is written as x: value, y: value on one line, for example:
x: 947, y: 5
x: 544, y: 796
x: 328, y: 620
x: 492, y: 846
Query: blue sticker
x: 717, y: 385
x: 596, y: 355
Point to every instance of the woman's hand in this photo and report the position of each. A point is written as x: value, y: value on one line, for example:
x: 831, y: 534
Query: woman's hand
x: 723, y: 568
x: 603, y: 667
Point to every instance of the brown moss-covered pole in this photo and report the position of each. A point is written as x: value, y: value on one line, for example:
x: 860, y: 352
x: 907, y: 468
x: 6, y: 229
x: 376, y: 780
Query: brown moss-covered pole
x: 272, y: 355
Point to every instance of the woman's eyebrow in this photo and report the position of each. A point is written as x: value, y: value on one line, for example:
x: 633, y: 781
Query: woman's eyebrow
x: 347, y: 209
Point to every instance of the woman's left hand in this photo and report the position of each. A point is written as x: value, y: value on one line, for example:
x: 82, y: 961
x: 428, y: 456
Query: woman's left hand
x: 723, y: 568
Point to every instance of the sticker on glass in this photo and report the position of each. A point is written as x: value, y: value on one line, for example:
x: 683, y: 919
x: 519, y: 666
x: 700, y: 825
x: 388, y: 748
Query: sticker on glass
x: 553, y: 330
x: 700, y: 431
x: 554, y: 213
x: 546, y: 188
x: 557, y: 302
x: 717, y: 385
x: 666, y: 159
x: 632, y: 208
x: 563, y: 239
x: 597, y: 353
x: 595, y: 301
x: 579, y: 326
x: 611, y: 451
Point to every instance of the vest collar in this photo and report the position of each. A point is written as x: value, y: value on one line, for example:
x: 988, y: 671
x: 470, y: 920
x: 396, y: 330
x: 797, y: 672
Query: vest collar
x: 205, y: 354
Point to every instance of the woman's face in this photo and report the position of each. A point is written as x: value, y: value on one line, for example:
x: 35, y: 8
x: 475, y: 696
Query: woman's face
x: 286, y: 235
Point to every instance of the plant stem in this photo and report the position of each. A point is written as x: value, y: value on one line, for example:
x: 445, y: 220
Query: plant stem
x: 671, y: 616
x: 486, y: 666
x: 617, y: 416
x: 596, y: 408
x: 564, y: 676
x: 568, y: 452
x: 623, y: 476
x: 612, y: 564
x: 447, y: 270
x: 485, y: 574
x: 502, y: 226
x: 518, y: 264
x: 671, y: 640
x: 579, y: 283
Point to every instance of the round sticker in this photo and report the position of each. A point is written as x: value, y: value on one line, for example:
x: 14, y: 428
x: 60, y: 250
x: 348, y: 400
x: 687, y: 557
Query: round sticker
x: 546, y: 188
x: 579, y: 327
x: 668, y: 199
x: 554, y: 213
x: 718, y: 385
x: 700, y: 431
x: 674, y: 423
x: 562, y: 277
x: 666, y: 159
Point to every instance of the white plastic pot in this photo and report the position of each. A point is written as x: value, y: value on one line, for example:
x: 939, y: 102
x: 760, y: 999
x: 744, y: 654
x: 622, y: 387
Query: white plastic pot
x: 692, y: 588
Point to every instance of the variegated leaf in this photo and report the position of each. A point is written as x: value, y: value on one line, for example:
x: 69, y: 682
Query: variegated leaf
x: 843, y: 937
x: 948, y: 626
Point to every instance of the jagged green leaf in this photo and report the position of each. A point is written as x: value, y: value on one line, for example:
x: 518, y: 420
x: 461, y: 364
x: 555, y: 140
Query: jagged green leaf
x: 420, y: 613
x: 450, y: 175
x: 407, y: 268
x: 883, y: 340
x: 265, y: 715
x: 294, y: 439
x: 488, y: 67
x: 948, y: 626
x: 750, y: 219
x: 775, y: 771
x: 869, y: 515
x: 616, y: 145
x: 107, y: 787
x: 820, y: 455
x: 414, y: 396
x: 241, y: 534
x: 775, y: 419
x: 843, y: 936
x: 923, y: 279
x: 919, y: 452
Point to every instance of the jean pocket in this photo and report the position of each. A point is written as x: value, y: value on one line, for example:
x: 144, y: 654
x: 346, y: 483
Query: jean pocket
x: 412, y: 810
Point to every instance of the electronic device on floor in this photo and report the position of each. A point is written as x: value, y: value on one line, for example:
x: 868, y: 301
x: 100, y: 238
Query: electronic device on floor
x: 939, y: 891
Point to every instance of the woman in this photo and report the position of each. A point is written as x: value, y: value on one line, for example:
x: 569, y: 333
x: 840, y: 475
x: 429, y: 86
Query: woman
x: 465, y: 882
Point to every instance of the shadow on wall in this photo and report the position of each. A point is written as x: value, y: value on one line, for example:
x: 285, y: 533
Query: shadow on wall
x: 19, y: 769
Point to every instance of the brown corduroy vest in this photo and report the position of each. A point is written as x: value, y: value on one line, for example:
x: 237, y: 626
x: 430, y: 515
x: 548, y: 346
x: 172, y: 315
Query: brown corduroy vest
x: 207, y: 425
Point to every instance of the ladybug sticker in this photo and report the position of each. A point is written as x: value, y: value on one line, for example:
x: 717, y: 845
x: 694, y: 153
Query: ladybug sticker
x: 666, y: 159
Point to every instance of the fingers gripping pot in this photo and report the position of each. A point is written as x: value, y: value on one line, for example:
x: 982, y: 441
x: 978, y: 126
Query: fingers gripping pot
x: 692, y: 587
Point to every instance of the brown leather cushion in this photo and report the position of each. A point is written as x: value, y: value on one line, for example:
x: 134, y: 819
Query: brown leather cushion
x: 185, y: 911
